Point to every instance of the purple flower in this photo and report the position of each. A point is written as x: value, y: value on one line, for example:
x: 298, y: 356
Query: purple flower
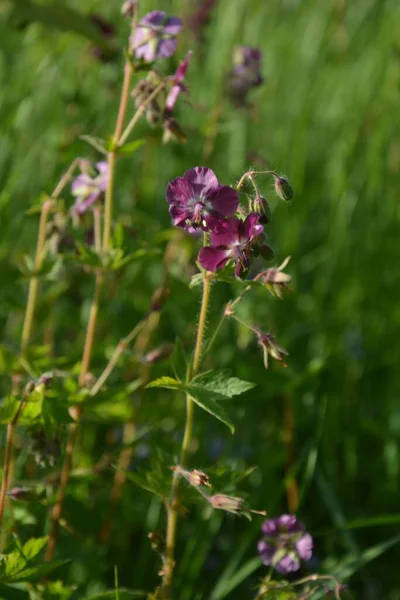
x: 231, y: 239
x: 155, y: 36
x: 198, y: 200
x: 89, y: 185
x: 285, y: 543
x: 177, y: 83
x: 245, y: 73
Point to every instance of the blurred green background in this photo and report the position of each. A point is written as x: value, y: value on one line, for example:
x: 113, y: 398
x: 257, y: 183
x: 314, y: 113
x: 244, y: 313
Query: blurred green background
x: 328, y: 117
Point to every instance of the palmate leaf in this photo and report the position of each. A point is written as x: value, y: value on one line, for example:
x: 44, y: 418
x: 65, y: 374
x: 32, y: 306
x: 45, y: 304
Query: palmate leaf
x: 202, y: 396
x: 17, y: 565
x: 220, y: 383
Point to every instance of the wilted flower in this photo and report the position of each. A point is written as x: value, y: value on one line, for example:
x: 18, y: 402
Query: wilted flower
x: 245, y: 73
x: 285, y: 543
x: 228, y: 503
x: 198, y: 200
x: 177, y: 83
x: 231, y: 240
x: 23, y: 494
x: 270, y: 346
x: 274, y: 278
x: 155, y: 36
x: 283, y: 188
x: 196, y: 478
x: 89, y: 185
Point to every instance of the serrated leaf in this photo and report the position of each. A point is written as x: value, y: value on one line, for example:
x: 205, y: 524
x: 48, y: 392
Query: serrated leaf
x: 122, y: 595
x: 209, y: 401
x: 8, y: 410
x: 130, y: 148
x: 221, y: 383
x: 165, y: 382
x: 17, y: 561
x: 36, y: 572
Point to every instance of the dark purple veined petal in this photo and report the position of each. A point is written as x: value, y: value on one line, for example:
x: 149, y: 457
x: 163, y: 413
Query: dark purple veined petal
x: 226, y: 233
x: 225, y: 200
x: 179, y: 191
x: 213, y: 259
x: 202, y: 179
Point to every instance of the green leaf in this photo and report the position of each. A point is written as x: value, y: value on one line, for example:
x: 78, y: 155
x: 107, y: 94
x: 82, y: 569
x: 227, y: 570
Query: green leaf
x: 130, y: 148
x: 122, y: 595
x: 8, y: 410
x: 202, y: 396
x: 16, y: 563
x: 165, y: 382
x: 155, y: 481
x: 37, y: 571
x: 196, y: 280
x: 10, y: 593
x: 221, y: 383
x: 61, y: 17
x: 209, y: 401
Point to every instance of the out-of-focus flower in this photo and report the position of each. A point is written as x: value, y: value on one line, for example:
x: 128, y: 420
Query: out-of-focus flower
x: 129, y: 8
x: 231, y: 240
x: 173, y: 131
x: 285, y: 543
x: 245, y: 74
x: 200, y: 18
x: 274, y: 279
x: 177, y: 83
x: 155, y: 36
x: 157, y: 354
x: 197, y: 200
x: 23, y: 494
x: 107, y: 31
x: 270, y: 346
x: 89, y: 185
x: 283, y: 188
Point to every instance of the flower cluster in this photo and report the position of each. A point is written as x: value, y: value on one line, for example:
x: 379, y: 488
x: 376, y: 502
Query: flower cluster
x: 285, y: 543
x: 155, y: 36
x: 198, y: 201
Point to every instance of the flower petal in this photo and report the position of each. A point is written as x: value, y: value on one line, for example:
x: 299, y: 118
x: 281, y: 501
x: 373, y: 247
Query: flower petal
x: 213, y: 259
x: 252, y: 227
x: 225, y: 200
x: 173, y: 26
x: 266, y: 552
x: 226, y: 233
x: 288, y: 564
x: 289, y: 522
x: 304, y: 546
x: 179, y: 191
x: 155, y: 18
x: 166, y: 48
x: 202, y: 179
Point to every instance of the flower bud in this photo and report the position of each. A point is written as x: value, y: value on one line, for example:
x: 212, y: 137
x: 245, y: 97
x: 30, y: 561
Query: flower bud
x: 270, y: 347
x: 261, y: 207
x: 158, y: 354
x: 283, y: 188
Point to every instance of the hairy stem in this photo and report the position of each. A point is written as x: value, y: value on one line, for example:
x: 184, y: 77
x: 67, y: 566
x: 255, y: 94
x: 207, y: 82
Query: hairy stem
x: 25, y: 340
x: 172, y: 509
x: 139, y: 113
x: 91, y: 327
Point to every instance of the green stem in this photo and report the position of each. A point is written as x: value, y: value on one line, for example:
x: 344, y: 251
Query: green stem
x: 91, y: 327
x: 139, y: 113
x: 249, y: 174
x: 172, y: 512
x: 25, y: 340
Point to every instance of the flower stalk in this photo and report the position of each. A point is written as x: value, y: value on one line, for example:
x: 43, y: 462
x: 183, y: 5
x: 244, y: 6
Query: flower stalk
x: 172, y: 512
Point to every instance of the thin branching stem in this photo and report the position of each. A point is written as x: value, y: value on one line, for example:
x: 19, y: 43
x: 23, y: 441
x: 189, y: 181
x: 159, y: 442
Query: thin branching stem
x: 25, y: 340
x: 172, y: 508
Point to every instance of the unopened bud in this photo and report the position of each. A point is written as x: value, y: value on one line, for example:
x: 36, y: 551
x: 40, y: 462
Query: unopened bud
x: 283, y: 188
x: 262, y: 208
x: 270, y: 347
